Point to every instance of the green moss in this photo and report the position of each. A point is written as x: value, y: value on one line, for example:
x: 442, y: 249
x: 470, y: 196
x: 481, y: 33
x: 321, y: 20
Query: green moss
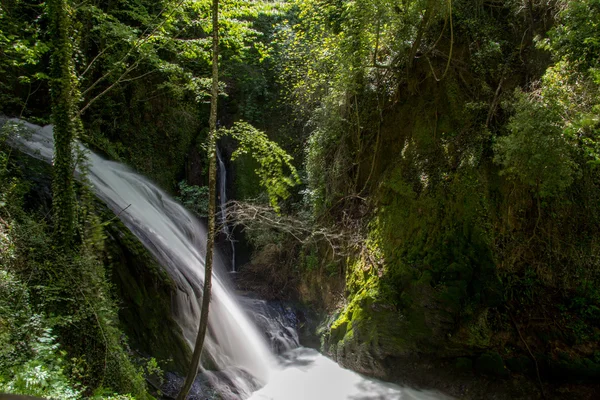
x: 427, y: 259
x: 419, y: 268
x: 338, y: 329
x: 454, y: 99
x: 369, y: 321
x: 479, y: 333
x: 359, y: 276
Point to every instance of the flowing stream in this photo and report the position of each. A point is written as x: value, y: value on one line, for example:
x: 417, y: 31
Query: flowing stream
x: 236, y: 344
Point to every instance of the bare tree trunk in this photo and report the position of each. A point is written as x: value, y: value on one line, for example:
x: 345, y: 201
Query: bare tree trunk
x: 212, y: 191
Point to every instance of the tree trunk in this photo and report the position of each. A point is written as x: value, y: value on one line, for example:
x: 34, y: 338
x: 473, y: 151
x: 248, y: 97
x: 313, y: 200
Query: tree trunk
x: 63, y: 89
x: 212, y: 192
x: 415, y: 47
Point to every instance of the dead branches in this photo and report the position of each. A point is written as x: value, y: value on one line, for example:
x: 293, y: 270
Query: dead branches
x: 253, y: 217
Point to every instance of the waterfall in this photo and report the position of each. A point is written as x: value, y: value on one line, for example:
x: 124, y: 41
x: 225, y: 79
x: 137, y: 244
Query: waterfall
x: 223, y: 205
x: 178, y: 240
x: 234, y: 343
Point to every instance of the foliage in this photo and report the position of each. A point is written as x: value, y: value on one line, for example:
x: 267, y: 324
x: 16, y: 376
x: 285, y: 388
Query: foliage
x: 536, y: 152
x: 168, y: 39
x: 573, y: 83
x: 273, y: 161
x: 152, y: 57
x: 31, y: 362
x: 341, y: 64
x: 78, y: 294
x: 330, y: 47
x: 194, y: 198
x: 23, y: 46
x: 575, y: 38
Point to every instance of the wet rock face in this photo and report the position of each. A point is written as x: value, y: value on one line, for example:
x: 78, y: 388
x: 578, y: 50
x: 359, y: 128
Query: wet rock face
x: 369, y: 331
x: 200, y: 390
x: 491, y: 363
x: 285, y: 324
x: 277, y: 320
x: 145, y: 292
x: 360, y: 357
x: 209, y: 385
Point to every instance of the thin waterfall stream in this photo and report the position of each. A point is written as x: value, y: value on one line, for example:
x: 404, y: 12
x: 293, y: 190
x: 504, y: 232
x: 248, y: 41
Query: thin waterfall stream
x: 223, y: 205
x: 235, y: 344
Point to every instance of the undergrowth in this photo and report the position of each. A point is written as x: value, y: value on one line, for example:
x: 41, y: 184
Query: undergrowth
x: 59, y: 330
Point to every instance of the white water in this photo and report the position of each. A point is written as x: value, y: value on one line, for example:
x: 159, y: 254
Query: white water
x: 308, y: 375
x: 177, y: 240
x: 223, y: 205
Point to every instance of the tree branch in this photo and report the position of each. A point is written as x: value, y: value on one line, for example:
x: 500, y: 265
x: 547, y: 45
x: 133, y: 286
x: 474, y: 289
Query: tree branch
x: 135, y: 65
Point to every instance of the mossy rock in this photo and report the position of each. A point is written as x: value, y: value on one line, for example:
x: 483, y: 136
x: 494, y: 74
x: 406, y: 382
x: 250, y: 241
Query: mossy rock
x: 490, y: 363
x: 338, y: 331
x: 369, y: 330
x: 474, y: 333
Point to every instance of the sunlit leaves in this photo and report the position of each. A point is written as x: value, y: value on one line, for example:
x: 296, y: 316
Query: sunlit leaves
x: 536, y: 152
x: 572, y: 85
x: 576, y: 38
x: 276, y: 171
x: 20, y: 42
x: 172, y: 37
x: 556, y: 128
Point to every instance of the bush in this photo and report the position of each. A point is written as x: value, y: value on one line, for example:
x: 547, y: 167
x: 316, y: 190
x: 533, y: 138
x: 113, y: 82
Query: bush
x: 194, y: 198
x: 535, y: 153
x: 30, y: 360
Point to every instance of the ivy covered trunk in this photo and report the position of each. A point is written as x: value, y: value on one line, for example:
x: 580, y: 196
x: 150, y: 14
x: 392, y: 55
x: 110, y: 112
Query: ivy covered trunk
x: 63, y: 89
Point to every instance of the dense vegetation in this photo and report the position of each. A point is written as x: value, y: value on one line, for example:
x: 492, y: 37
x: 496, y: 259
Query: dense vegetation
x: 445, y: 215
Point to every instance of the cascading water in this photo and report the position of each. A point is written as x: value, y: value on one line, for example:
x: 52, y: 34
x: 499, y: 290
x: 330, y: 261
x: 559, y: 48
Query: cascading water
x: 234, y: 343
x: 223, y: 205
x: 178, y: 241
